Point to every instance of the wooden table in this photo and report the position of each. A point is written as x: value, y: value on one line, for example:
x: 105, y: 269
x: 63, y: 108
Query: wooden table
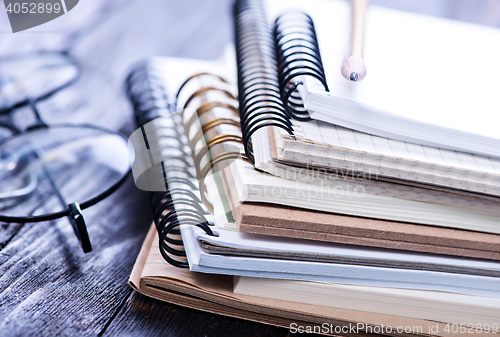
x: 48, y: 286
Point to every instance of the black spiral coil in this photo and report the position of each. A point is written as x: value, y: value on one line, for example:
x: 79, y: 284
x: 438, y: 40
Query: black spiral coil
x: 297, y: 54
x: 266, y: 71
x: 260, y: 101
x: 147, y: 94
x: 180, y: 204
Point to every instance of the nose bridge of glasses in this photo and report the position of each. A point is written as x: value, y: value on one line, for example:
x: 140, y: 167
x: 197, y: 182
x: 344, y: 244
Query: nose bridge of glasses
x: 39, y: 123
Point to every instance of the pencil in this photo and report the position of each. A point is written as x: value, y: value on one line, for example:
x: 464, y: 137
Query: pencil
x: 354, y: 67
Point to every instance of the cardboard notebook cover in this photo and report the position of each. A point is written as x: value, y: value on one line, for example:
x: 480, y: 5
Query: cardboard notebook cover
x: 277, y: 220
x: 154, y: 277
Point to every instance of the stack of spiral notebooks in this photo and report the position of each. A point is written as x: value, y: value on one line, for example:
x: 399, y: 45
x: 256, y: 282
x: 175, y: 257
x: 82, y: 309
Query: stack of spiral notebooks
x: 263, y: 214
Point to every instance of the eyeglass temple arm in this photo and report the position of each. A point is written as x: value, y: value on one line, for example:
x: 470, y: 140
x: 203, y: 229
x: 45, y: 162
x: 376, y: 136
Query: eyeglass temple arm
x: 75, y: 213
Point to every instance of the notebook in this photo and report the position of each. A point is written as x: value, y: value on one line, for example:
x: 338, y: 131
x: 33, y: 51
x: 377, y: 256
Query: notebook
x: 235, y: 243
x: 344, y: 151
x: 431, y: 305
x: 253, y: 255
x: 351, y: 198
x: 424, y: 82
x: 154, y: 277
x: 326, y: 193
x: 283, y: 221
x: 316, y: 144
x: 234, y: 253
x: 273, y: 219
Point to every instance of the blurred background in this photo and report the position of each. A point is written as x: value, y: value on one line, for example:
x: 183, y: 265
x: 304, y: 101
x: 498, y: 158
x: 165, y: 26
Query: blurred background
x: 108, y: 37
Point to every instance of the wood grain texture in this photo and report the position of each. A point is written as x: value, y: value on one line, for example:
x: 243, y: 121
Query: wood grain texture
x: 47, y: 285
x: 143, y: 316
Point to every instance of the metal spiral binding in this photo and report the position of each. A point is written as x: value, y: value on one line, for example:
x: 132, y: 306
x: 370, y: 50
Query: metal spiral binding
x: 297, y: 54
x: 261, y: 95
x: 260, y: 101
x: 147, y: 94
x: 208, y: 138
x: 149, y: 99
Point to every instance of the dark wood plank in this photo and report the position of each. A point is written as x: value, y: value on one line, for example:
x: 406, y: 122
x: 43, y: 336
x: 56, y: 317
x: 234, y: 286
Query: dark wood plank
x: 47, y: 284
x: 143, y: 316
x: 7, y: 232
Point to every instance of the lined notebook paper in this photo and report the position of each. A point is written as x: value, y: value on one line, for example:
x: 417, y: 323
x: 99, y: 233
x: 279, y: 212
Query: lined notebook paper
x: 319, y: 144
x: 346, y: 138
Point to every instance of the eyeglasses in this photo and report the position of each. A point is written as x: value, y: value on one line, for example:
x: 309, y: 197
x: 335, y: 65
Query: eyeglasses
x: 50, y: 172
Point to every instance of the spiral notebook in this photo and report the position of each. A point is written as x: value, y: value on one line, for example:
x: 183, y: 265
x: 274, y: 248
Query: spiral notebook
x: 156, y: 278
x: 236, y: 255
x: 437, y: 208
x: 283, y: 221
x: 153, y: 277
x: 384, y: 199
x: 424, y: 82
x: 314, y: 144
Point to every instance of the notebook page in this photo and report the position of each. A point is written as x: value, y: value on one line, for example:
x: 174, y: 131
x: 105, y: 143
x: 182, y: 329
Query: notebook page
x: 201, y: 261
x: 256, y: 242
x: 334, y: 135
x: 432, y: 305
x: 346, y: 198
